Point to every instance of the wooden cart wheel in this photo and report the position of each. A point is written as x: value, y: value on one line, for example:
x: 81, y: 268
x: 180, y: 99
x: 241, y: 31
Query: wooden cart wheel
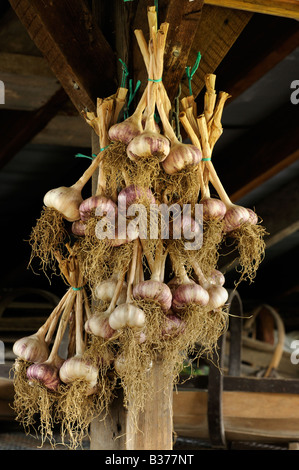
x: 278, y: 351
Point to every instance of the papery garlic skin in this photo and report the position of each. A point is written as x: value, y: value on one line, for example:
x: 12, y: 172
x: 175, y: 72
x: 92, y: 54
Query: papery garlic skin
x: 187, y: 294
x: 104, y: 291
x: 148, y: 144
x: 77, y: 368
x: 125, y: 131
x: 154, y: 290
x: 31, y: 348
x: 101, y: 204
x: 253, y: 218
x: 213, y: 208
x: 216, y: 278
x: 218, y: 296
x: 180, y: 157
x: 132, y: 194
x: 78, y: 228
x: 66, y: 201
x: 235, y: 217
x: 98, y: 325
x: 45, y: 374
x: 127, y: 315
x: 173, y: 326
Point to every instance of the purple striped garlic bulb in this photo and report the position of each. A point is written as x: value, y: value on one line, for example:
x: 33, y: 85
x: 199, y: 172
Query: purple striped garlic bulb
x: 46, y: 374
x: 173, y: 326
x: 235, y: 217
x: 31, y: 348
x: 154, y: 290
x: 187, y: 294
x: 213, y: 208
x: 101, y: 204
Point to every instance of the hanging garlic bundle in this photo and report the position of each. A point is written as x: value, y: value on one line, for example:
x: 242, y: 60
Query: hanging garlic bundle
x: 61, y: 389
x: 61, y: 205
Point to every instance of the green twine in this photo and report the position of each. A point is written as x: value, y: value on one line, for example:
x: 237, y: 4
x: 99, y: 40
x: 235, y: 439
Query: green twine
x: 125, y: 74
x: 206, y: 159
x: 190, y: 74
x: 80, y: 155
x: 77, y: 288
x: 155, y: 81
x: 131, y: 96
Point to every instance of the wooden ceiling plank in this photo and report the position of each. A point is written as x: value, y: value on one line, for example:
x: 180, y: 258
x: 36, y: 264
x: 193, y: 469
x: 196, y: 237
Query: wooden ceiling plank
x: 266, y: 149
x: 18, y: 129
x: 75, y: 48
x: 284, y: 8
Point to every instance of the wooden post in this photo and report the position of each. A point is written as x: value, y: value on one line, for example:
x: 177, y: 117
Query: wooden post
x: 155, y: 424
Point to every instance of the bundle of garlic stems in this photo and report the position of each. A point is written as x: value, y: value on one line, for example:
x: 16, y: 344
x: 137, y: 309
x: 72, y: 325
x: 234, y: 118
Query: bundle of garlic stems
x: 67, y: 381
x: 239, y: 222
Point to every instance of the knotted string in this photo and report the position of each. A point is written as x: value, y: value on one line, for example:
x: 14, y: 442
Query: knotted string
x: 190, y: 74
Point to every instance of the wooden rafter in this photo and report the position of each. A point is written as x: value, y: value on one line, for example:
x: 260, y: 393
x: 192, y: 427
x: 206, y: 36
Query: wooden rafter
x: 218, y: 31
x: 268, y: 148
x: 285, y: 8
x: 76, y: 50
x: 271, y: 38
x: 19, y: 128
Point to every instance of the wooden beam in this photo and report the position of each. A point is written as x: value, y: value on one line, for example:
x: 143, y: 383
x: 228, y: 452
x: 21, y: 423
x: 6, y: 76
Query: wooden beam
x: 265, y: 150
x: 279, y: 212
x: 29, y: 81
x: 76, y: 50
x: 20, y: 128
x: 285, y: 8
x: 271, y: 38
x: 218, y: 30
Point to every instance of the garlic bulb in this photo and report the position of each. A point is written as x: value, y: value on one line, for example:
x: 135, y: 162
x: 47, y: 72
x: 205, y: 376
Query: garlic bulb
x: 148, y: 144
x: 46, y: 373
x: 216, y: 278
x: 132, y: 194
x: 173, y: 326
x: 218, y: 296
x: 181, y: 156
x: 77, y: 368
x: 154, y: 290
x: 104, y: 290
x: 187, y: 294
x: 98, y: 325
x: 253, y: 218
x: 235, y: 216
x: 103, y: 206
x: 126, y: 130
x: 127, y: 315
x: 78, y: 228
x: 31, y: 348
x: 213, y: 208
x: 65, y: 200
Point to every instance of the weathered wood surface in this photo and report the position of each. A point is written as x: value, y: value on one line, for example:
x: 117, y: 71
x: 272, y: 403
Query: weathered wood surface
x: 285, y: 8
x: 74, y: 46
x: 271, y: 417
